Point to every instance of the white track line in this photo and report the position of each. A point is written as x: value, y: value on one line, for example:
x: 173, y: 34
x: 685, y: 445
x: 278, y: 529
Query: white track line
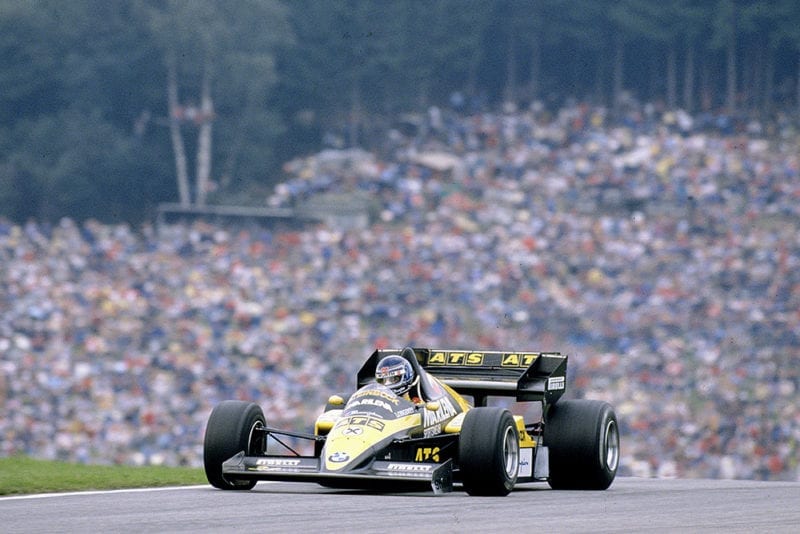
x: 98, y: 492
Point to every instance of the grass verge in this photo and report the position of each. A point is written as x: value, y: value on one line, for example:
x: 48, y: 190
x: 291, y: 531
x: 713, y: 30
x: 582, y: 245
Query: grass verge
x: 21, y: 475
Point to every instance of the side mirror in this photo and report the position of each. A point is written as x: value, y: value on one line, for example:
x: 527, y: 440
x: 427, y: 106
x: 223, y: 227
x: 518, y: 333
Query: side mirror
x: 335, y: 400
x: 432, y: 406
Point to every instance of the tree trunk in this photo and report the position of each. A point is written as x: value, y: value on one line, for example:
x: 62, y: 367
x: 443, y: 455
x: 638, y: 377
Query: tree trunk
x: 355, y: 113
x: 654, y: 91
x: 688, y: 79
x: 175, y: 133
x: 226, y: 177
x: 619, y: 59
x: 511, y: 71
x: 204, y: 140
x: 769, y: 80
x: 731, y: 65
x: 708, y: 94
x: 798, y: 83
x: 424, y: 93
x: 672, y: 69
x: 754, y: 72
x: 600, y: 80
x: 472, y: 77
x: 758, y: 72
x: 536, y: 67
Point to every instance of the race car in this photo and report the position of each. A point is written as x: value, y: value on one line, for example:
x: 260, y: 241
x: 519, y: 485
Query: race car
x: 447, y: 431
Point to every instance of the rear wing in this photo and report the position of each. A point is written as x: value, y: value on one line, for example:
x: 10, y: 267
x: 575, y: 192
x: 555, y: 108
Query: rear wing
x: 525, y: 376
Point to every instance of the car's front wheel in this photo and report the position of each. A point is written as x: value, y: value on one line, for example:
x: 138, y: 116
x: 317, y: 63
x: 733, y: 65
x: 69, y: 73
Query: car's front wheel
x: 582, y: 437
x: 231, y: 429
x: 488, y: 451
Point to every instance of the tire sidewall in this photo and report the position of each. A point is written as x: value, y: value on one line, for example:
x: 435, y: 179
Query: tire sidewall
x: 582, y: 436
x: 484, y: 454
x: 228, y: 432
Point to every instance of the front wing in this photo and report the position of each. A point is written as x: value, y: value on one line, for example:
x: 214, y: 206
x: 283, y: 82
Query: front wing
x: 378, y: 474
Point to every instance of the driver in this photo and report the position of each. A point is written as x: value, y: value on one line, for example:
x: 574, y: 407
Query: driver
x: 397, y: 374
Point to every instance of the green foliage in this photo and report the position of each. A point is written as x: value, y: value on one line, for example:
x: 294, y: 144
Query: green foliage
x: 23, y: 475
x: 83, y: 104
x: 71, y: 163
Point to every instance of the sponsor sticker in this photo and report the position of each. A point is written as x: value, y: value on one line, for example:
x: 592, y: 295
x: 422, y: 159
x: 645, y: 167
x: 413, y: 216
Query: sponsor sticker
x: 556, y: 382
x: 434, y: 430
x: 525, y: 462
x: 456, y: 358
x: 277, y: 462
x: 371, y: 402
x: 411, y: 468
x: 446, y: 411
x: 518, y: 360
x: 363, y: 420
x: 339, y: 457
x: 427, y: 453
x: 376, y: 393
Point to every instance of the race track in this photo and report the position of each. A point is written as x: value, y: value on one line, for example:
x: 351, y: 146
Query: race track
x: 631, y: 505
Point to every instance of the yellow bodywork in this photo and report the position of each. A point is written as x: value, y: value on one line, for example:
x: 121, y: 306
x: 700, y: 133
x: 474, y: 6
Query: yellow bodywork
x: 325, y: 422
x: 352, y: 436
x: 525, y: 439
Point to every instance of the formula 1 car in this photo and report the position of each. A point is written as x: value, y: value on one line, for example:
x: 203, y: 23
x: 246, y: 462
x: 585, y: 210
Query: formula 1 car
x: 378, y: 440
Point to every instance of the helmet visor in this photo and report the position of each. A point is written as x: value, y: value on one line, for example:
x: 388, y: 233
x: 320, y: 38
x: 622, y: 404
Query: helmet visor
x: 390, y: 380
x: 390, y: 376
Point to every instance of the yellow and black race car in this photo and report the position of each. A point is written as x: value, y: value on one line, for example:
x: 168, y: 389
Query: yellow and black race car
x: 431, y: 436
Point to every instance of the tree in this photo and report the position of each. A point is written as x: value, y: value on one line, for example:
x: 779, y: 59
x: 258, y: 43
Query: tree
x: 787, y: 30
x: 641, y: 21
x: 687, y: 23
x: 108, y: 107
x: 440, y: 47
x: 199, y: 40
x: 724, y: 37
x: 30, y: 60
x: 66, y: 142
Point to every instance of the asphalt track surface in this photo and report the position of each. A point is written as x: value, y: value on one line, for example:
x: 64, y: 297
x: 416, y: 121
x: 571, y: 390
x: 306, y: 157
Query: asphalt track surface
x: 630, y: 505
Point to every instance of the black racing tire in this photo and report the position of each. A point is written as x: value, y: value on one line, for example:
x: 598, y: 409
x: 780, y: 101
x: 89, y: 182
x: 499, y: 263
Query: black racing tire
x: 582, y: 437
x: 488, y: 452
x: 230, y: 431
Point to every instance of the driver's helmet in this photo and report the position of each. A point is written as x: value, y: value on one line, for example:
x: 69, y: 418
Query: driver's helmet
x: 395, y: 373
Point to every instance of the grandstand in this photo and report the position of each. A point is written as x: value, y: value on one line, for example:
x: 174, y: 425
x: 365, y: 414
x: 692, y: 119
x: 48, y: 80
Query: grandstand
x: 661, y: 255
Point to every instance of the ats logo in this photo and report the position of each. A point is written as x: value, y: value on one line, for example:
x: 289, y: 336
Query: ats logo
x: 519, y: 360
x: 427, y: 453
x: 456, y: 358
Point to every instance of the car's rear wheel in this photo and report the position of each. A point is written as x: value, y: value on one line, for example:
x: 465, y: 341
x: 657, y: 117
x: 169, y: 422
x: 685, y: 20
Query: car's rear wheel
x: 232, y: 429
x: 582, y: 437
x: 488, y: 451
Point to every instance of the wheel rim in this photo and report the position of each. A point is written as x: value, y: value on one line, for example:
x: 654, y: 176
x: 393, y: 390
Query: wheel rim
x: 510, y: 453
x: 611, y: 445
x: 251, y: 445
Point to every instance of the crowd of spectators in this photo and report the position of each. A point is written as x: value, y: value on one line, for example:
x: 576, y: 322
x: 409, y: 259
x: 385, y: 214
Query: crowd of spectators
x: 660, y: 250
